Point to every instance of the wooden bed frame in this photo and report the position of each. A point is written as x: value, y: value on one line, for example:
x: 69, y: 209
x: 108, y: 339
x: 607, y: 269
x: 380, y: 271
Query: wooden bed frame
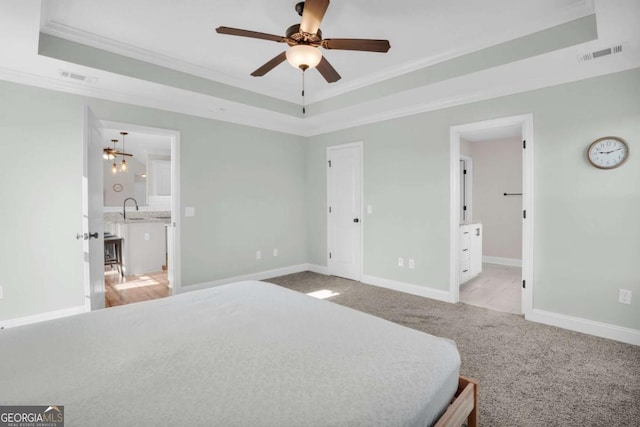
x: 463, y: 406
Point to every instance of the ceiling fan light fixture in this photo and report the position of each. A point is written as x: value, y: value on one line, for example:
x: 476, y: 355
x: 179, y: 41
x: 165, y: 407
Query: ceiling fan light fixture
x: 303, y: 56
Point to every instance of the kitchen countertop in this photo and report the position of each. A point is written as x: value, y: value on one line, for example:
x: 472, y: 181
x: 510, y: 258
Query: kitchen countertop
x: 134, y: 217
x: 140, y: 220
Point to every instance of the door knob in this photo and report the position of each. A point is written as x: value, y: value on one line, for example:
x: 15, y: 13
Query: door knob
x: 86, y: 236
x: 356, y: 220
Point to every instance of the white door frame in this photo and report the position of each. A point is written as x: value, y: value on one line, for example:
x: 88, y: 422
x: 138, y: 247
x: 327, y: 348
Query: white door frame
x: 174, y: 252
x: 526, y: 123
x: 338, y: 147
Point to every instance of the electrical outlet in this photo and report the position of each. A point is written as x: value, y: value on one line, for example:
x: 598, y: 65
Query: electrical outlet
x: 624, y: 296
x: 275, y: 251
x: 1, y: 293
x: 190, y: 211
x: 369, y: 209
x: 412, y: 264
x: 147, y: 236
x: 258, y: 255
x: 400, y: 262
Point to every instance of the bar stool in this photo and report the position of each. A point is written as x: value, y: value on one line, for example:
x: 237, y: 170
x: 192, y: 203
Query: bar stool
x: 113, y: 252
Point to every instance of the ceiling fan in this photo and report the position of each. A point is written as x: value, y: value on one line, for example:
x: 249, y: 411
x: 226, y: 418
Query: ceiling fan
x: 304, y: 39
x: 111, y: 153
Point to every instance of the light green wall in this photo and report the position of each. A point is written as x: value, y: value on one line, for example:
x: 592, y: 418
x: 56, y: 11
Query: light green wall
x: 247, y: 185
x: 256, y: 189
x: 587, y: 243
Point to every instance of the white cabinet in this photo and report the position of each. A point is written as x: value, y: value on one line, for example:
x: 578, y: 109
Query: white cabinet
x: 143, y: 246
x: 470, y: 251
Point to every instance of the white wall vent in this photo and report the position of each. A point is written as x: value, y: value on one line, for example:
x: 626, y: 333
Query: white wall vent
x: 78, y: 77
x: 599, y: 53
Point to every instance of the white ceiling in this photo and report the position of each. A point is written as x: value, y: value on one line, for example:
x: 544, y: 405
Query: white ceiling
x: 423, y: 33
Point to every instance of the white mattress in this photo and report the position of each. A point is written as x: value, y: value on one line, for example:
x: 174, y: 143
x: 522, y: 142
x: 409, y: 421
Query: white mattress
x: 244, y: 354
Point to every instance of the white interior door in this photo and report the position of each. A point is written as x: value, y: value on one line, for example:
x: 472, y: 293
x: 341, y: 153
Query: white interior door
x: 92, y: 213
x: 345, y: 210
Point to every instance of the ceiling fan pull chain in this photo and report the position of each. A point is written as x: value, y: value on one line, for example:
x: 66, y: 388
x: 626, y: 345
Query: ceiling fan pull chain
x: 304, y: 110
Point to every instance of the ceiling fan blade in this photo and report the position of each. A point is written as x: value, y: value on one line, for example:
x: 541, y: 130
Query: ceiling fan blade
x: 367, y: 45
x: 328, y: 72
x: 251, y: 34
x: 116, y: 152
x: 270, y: 65
x: 312, y: 15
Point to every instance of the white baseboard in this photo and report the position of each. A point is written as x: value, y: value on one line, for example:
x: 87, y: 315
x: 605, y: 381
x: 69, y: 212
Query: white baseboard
x: 261, y: 275
x: 41, y: 317
x: 502, y: 261
x: 590, y: 327
x: 320, y: 269
x: 422, y: 291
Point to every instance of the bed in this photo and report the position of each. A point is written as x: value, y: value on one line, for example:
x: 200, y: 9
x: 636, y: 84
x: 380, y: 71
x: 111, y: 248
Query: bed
x: 244, y: 354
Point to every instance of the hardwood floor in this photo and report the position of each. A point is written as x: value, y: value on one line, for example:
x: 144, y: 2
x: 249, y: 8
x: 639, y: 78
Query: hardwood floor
x: 126, y: 290
x: 498, y: 288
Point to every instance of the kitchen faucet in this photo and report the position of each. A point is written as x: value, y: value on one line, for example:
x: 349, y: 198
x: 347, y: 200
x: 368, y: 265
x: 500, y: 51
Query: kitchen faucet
x: 124, y: 206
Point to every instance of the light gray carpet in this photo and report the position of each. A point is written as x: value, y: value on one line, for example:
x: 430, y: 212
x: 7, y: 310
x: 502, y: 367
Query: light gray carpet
x: 530, y: 374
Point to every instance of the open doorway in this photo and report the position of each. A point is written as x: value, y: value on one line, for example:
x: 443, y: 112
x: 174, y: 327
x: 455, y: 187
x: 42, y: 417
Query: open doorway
x: 491, y: 214
x: 141, y: 199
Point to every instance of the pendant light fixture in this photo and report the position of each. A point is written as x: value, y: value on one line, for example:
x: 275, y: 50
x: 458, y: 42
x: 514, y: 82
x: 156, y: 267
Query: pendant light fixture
x: 123, y: 166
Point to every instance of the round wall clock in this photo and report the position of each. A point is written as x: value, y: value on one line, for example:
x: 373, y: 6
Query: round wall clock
x: 608, y: 152
x: 117, y: 188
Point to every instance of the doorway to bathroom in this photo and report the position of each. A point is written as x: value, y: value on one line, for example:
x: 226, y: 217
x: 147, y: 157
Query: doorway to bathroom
x: 492, y: 214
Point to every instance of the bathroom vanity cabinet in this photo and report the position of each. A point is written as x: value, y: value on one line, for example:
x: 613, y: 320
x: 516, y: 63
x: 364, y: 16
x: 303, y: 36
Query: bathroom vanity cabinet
x: 470, y: 251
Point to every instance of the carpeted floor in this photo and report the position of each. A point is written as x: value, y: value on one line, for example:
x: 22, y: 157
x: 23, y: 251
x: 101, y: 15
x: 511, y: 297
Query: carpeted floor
x: 530, y: 374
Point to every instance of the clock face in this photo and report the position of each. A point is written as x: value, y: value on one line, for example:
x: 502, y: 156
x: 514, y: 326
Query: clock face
x: 608, y: 152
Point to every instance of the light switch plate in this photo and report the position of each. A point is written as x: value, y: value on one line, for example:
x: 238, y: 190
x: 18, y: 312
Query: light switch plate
x: 400, y: 262
x: 1, y: 293
x: 369, y: 209
x: 258, y: 255
x: 275, y: 251
x: 189, y: 211
x: 412, y: 263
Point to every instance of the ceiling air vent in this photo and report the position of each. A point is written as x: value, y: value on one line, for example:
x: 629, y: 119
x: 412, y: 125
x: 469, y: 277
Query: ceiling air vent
x: 599, y: 53
x: 78, y: 77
